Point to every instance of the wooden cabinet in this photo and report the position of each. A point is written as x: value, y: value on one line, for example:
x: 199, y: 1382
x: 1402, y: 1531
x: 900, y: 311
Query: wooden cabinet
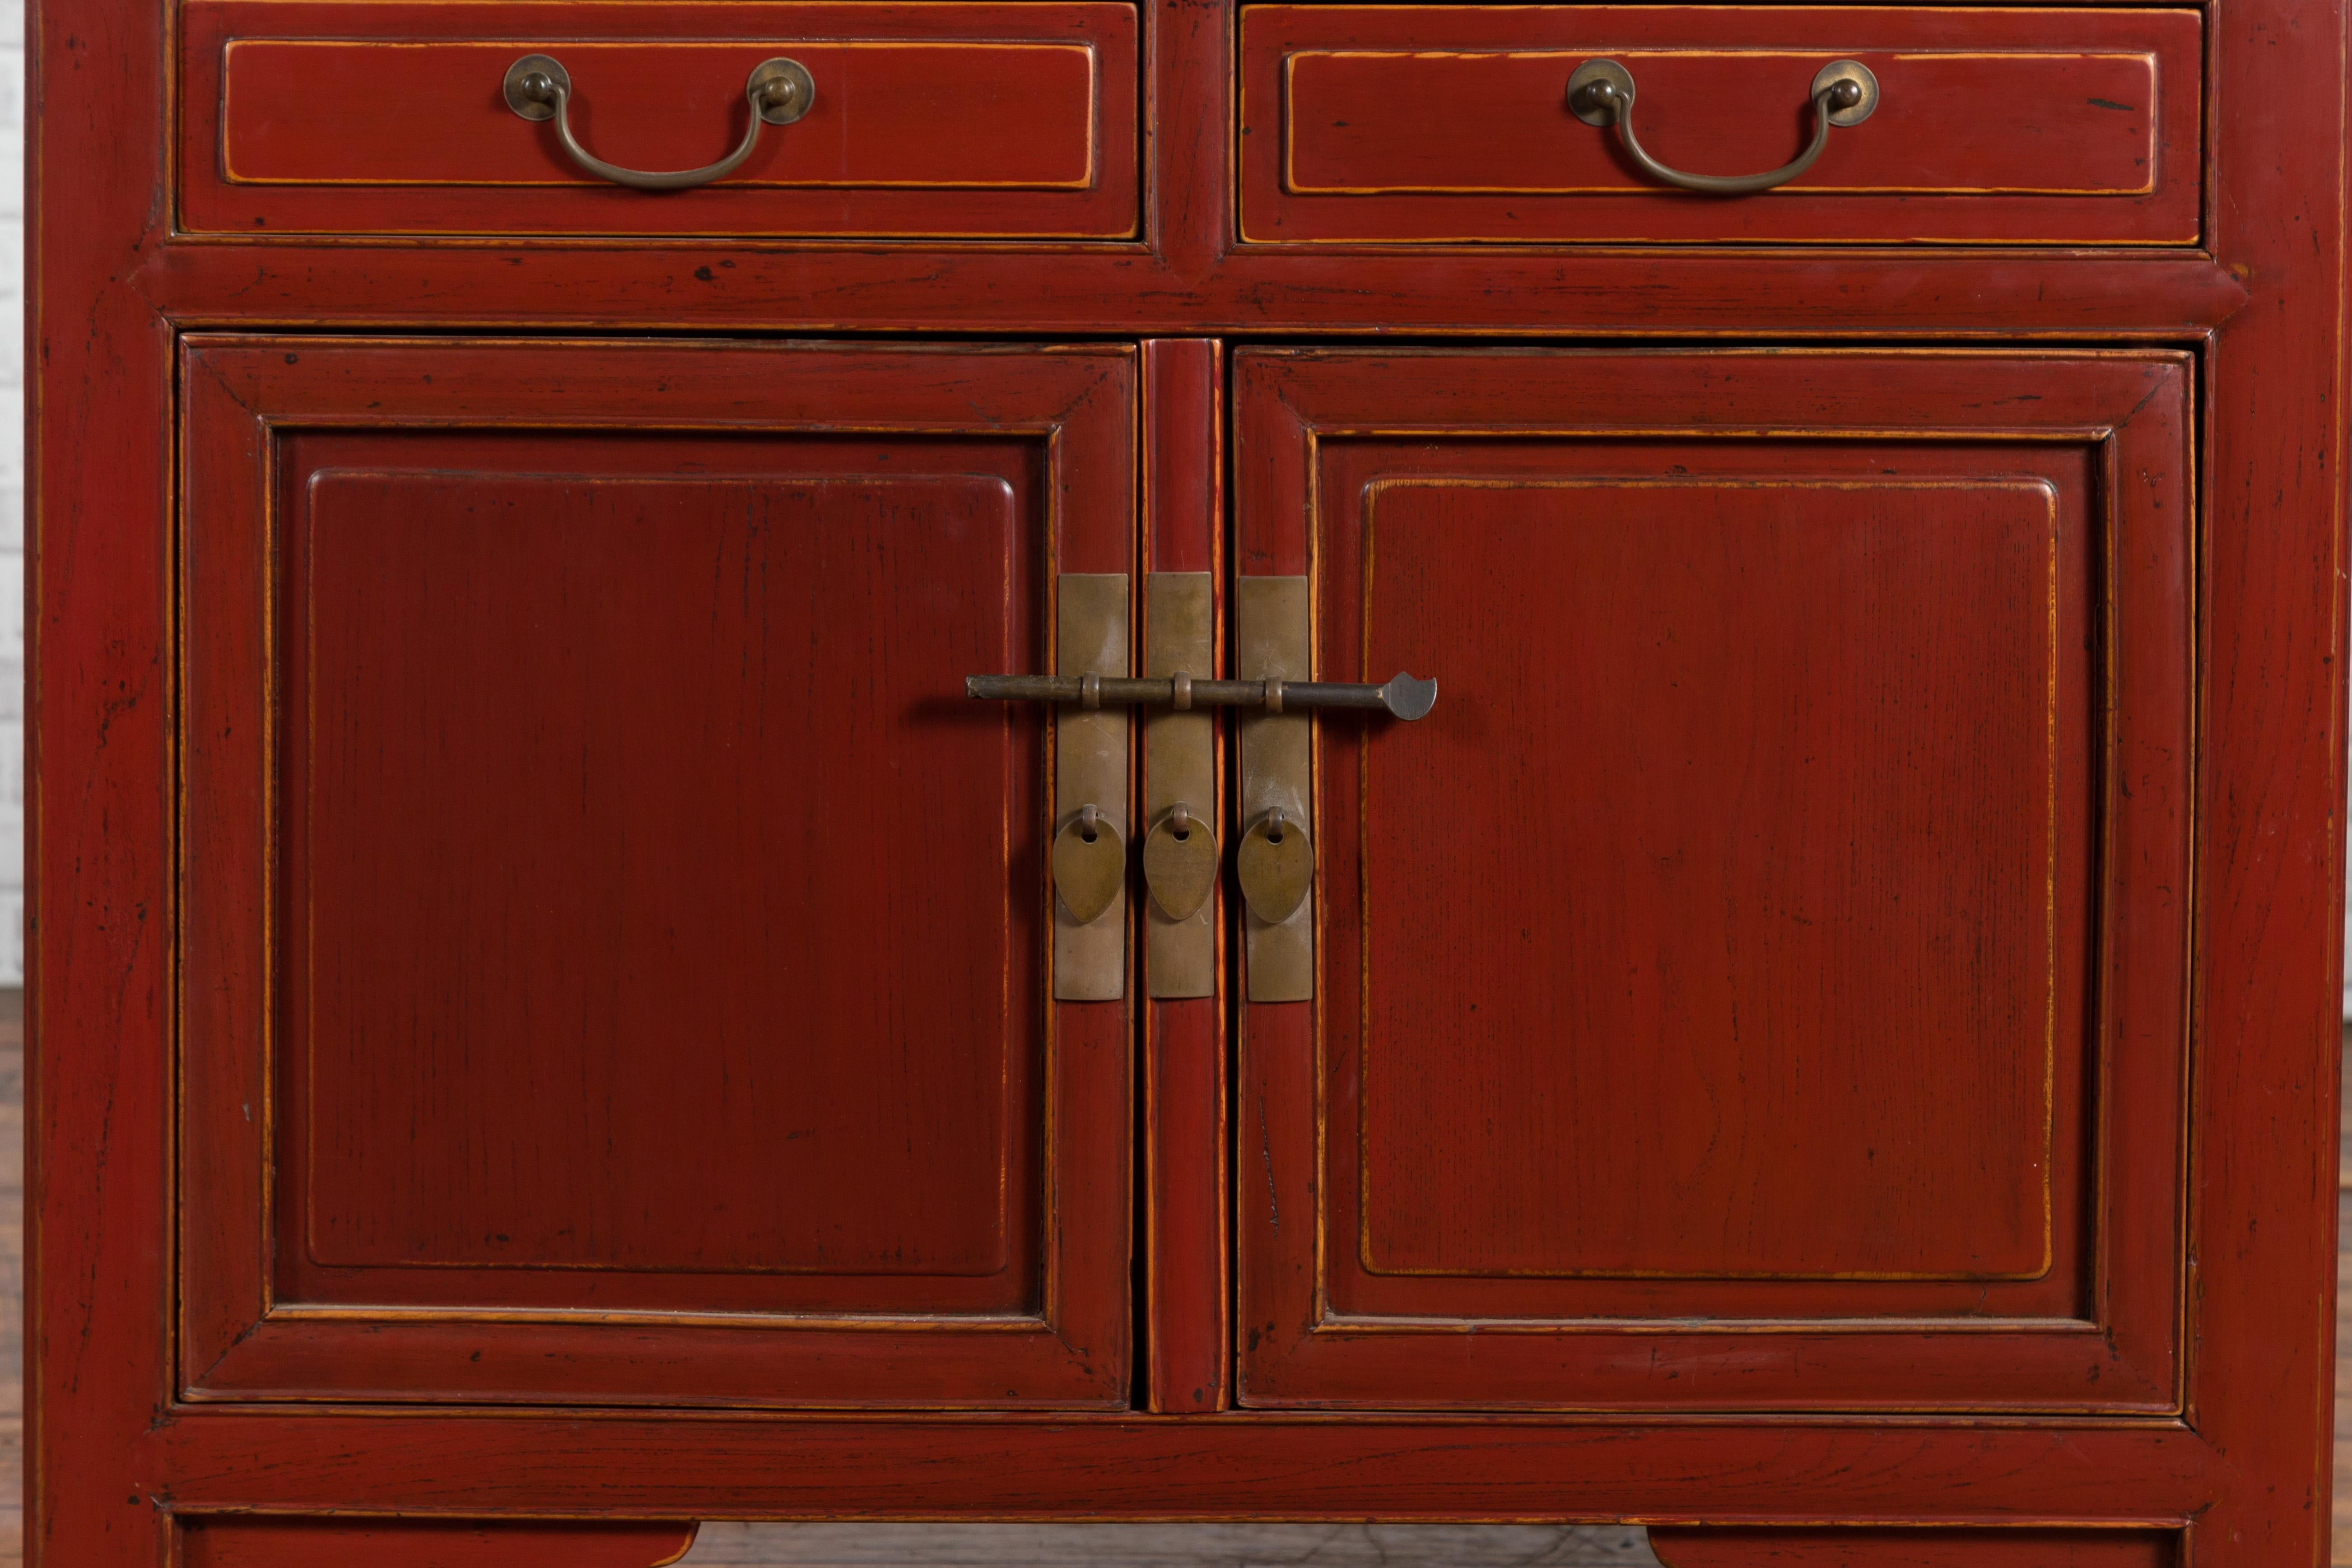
x: 557, y: 1011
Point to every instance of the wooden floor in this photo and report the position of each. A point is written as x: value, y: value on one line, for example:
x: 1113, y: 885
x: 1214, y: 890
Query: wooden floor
x: 1060, y: 1546
x: 1167, y: 1546
x: 12, y: 1277
x: 2342, y: 1554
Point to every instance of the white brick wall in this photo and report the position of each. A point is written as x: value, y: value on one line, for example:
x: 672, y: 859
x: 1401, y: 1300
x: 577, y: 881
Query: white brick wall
x: 12, y: 492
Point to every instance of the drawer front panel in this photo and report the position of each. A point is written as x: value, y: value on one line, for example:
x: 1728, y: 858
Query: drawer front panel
x: 1755, y: 984
x: 1424, y: 126
x: 926, y: 120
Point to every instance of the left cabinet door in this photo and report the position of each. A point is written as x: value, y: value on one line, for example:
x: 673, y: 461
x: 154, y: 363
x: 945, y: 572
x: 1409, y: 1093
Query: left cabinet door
x: 615, y: 957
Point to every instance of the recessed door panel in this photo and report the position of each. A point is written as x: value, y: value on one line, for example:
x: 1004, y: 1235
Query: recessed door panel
x: 1747, y: 988
x: 1764, y: 765
x: 657, y: 943
x: 679, y: 822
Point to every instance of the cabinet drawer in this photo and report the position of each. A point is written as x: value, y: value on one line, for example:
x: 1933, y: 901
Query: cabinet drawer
x: 1436, y: 124
x: 933, y: 121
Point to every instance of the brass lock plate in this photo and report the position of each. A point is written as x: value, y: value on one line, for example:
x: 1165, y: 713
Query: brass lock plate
x: 1274, y: 638
x: 1180, y: 769
x: 1090, y: 769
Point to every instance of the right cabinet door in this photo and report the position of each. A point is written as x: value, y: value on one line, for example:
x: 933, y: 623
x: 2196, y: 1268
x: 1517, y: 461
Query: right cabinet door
x: 1761, y: 982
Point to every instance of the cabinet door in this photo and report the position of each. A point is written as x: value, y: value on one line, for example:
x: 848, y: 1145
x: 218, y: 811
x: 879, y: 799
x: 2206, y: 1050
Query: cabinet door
x: 617, y: 956
x: 1759, y: 983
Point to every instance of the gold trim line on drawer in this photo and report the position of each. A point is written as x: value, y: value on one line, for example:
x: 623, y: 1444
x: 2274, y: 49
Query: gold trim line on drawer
x: 1291, y: 182
x: 1085, y: 182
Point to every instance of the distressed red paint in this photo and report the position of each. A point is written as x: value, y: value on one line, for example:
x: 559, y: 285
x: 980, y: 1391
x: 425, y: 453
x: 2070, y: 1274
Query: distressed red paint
x: 218, y: 1329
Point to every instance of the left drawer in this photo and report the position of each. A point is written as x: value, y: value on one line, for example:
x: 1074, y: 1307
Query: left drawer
x: 1014, y: 121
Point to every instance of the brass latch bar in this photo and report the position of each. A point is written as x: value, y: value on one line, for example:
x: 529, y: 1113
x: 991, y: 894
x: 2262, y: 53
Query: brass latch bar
x: 1401, y: 695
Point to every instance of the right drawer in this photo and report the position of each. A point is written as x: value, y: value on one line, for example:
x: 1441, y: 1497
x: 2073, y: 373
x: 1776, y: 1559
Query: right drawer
x: 1445, y: 124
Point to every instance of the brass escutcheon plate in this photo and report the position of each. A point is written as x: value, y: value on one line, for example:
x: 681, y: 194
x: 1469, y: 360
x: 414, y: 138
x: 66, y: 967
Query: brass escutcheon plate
x: 522, y: 70
x: 1860, y: 74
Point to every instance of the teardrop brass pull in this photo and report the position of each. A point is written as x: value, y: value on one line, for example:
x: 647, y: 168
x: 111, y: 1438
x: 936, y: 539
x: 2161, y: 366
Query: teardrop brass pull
x: 780, y: 89
x: 1179, y: 863
x: 1600, y: 93
x: 1089, y: 863
x: 1276, y: 864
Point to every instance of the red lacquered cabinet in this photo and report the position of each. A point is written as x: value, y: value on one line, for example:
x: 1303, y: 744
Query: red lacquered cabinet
x: 1185, y: 760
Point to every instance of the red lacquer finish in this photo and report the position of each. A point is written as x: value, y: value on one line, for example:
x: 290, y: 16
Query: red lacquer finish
x: 1820, y: 752
x: 1756, y: 295
x: 1451, y: 123
x: 519, y: 1185
x: 943, y: 121
x: 1256, y: 1465
x: 812, y: 1134
x: 1188, y: 1337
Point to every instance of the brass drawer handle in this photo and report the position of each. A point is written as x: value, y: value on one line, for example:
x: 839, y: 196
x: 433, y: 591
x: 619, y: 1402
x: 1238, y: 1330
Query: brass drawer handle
x: 781, y: 90
x: 1600, y: 93
x: 1402, y: 696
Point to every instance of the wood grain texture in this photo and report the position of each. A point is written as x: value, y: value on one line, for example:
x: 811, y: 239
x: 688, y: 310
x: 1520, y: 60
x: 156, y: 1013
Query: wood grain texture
x: 912, y: 1546
x: 1187, y: 1283
x: 478, y: 758
x: 1849, y: 761
x: 1806, y: 665
x: 114, y: 280
x: 1210, y: 287
x: 870, y: 1545
x: 947, y: 121
x: 99, y: 686
x: 2270, y: 793
x: 1446, y: 125
x: 1144, y: 1468
x: 458, y: 897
